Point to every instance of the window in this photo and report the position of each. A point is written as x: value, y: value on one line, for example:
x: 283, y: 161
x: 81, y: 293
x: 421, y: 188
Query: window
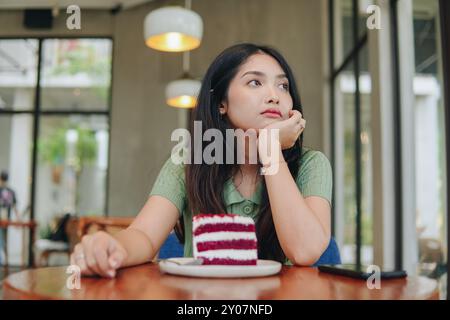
x: 352, y: 134
x: 18, y: 74
x: 415, y: 235
x: 429, y: 139
x: 54, y: 127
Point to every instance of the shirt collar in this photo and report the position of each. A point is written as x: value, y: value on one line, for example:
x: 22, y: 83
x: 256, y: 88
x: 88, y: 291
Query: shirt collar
x: 232, y: 195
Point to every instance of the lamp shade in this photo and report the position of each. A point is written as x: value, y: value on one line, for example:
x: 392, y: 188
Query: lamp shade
x: 173, y: 29
x: 183, y: 93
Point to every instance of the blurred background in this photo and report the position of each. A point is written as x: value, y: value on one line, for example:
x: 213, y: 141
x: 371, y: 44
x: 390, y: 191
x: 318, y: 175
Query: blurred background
x: 86, y: 113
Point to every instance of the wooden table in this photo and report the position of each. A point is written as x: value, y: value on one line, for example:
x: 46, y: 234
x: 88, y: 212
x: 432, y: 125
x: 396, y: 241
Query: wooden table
x: 5, y: 224
x: 147, y: 282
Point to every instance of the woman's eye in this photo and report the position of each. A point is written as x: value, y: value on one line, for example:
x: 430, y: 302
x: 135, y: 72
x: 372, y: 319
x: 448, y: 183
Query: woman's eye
x: 285, y: 86
x: 254, y: 81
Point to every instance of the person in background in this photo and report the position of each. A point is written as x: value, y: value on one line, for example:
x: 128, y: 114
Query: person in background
x: 8, y: 202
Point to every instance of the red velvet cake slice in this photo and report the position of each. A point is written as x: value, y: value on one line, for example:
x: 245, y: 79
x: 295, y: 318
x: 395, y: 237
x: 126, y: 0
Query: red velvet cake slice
x: 224, y: 239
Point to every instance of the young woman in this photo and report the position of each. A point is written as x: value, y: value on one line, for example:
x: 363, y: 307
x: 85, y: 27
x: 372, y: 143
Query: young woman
x: 246, y: 87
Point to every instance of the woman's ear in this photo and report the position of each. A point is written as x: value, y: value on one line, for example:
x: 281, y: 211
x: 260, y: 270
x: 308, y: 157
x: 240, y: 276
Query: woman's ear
x: 223, y: 108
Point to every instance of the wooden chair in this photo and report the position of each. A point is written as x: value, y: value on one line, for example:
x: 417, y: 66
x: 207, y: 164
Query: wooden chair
x: 45, y: 248
x: 5, y: 224
x: 90, y: 224
x: 75, y: 229
x: 86, y: 225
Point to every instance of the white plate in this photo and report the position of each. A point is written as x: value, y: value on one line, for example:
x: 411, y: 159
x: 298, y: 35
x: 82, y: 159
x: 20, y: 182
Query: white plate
x: 263, y: 268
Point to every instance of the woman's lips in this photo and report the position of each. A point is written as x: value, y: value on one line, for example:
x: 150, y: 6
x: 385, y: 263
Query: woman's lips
x: 272, y: 113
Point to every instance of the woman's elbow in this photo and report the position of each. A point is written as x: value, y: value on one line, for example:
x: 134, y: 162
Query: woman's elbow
x: 303, y: 261
x: 307, y: 257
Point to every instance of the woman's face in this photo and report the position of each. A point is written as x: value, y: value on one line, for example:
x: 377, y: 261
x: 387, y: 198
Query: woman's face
x: 258, y: 95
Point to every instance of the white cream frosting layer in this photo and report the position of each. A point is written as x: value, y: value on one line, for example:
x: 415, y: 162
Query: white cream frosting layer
x: 250, y: 254
x: 224, y: 235
x: 225, y: 219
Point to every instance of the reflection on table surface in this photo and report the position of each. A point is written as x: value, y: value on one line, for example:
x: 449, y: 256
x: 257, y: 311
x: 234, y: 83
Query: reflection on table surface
x: 148, y: 282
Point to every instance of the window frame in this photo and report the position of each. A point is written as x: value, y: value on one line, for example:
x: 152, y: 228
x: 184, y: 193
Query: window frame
x: 444, y: 8
x: 36, y: 113
x: 352, y: 58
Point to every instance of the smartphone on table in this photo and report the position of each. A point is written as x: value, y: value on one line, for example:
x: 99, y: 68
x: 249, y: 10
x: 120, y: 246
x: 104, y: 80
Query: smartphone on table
x: 360, y: 272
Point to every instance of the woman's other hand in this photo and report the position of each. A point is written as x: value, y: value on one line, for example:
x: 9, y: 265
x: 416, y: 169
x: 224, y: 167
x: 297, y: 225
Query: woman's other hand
x: 99, y: 254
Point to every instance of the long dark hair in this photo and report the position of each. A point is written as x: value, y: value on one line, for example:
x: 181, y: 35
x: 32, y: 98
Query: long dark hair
x: 205, y: 182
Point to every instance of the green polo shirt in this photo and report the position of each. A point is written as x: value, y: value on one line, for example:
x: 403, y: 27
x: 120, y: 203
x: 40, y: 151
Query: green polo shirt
x: 314, y: 179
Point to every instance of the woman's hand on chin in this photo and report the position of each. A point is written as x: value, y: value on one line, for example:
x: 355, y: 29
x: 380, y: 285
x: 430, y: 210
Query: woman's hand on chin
x: 289, y: 130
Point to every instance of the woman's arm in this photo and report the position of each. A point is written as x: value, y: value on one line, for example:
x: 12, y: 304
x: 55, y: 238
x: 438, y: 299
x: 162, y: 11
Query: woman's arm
x: 102, y: 254
x: 143, y: 238
x: 302, y: 224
